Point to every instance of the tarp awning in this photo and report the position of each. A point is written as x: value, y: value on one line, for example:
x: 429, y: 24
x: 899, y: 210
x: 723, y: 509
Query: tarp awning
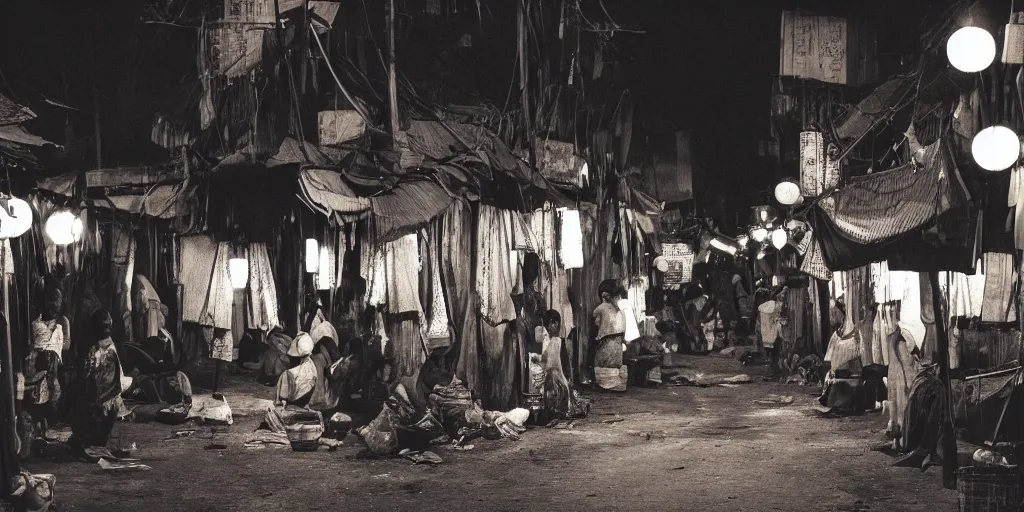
x: 409, y: 205
x: 164, y: 201
x: 869, y: 218
x: 325, y: 192
x: 19, y: 135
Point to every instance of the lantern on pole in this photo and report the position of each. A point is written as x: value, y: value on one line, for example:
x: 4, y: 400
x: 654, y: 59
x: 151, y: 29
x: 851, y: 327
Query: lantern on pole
x: 971, y: 49
x: 995, y: 148
x: 759, y: 234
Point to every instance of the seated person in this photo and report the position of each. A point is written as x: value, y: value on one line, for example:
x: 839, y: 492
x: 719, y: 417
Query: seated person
x: 334, y: 369
x: 296, y: 385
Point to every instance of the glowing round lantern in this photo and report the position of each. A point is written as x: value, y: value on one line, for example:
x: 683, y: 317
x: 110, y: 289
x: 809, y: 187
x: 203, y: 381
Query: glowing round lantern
x: 238, y: 271
x: 64, y: 228
x: 779, y: 238
x: 971, y: 49
x: 312, y: 256
x: 759, y: 234
x: 787, y: 193
x: 996, y: 148
x: 16, y: 219
x: 743, y: 240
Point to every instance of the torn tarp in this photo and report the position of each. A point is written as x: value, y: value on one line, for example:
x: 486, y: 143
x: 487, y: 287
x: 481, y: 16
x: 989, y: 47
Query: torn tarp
x: 18, y: 135
x: 860, y: 119
x: 440, y: 142
x: 325, y: 192
x: 409, y: 205
x: 876, y: 216
x: 164, y: 201
x: 13, y: 113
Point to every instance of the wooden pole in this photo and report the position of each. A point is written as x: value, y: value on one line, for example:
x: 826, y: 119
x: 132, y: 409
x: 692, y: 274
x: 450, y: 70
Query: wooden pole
x: 392, y: 75
x: 98, y: 125
x: 946, y: 433
x: 10, y: 425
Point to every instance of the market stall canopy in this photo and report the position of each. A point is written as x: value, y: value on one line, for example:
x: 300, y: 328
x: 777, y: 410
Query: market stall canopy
x: 161, y: 199
x: 439, y: 141
x: 872, y: 217
x: 325, y: 192
x: 13, y: 113
x: 409, y: 205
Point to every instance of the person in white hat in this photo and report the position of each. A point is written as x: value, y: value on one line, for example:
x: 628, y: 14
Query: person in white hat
x: 295, y: 386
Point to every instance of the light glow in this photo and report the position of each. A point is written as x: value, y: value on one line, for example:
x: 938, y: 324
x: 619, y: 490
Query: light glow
x: 238, y: 270
x: 971, y: 49
x: 996, y: 148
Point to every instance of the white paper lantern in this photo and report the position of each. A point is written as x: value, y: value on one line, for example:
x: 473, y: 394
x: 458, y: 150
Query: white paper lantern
x: 996, y: 148
x: 779, y: 238
x: 743, y: 240
x: 62, y: 228
x: 16, y: 219
x: 312, y: 256
x: 971, y: 49
x: 787, y: 193
x: 238, y: 270
x: 759, y: 234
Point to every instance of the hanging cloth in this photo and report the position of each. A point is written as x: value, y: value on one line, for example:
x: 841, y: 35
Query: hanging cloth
x: 262, y: 291
x: 1000, y: 279
x: 494, y: 284
x: 198, y: 255
x: 1015, y: 201
x: 403, y: 280
x: 439, y: 310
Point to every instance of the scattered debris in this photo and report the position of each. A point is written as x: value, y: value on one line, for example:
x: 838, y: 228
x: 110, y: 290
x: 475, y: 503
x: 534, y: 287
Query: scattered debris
x: 210, y: 410
x: 330, y: 444
x: 424, y: 457
x: 464, y: 447
x: 108, y: 465
x: 216, y: 446
x: 181, y: 434
x: 774, y: 399
x: 677, y: 468
x: 648, y: 435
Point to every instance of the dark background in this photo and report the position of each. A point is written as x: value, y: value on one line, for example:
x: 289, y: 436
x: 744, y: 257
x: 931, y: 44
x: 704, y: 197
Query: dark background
x: 705, y: 65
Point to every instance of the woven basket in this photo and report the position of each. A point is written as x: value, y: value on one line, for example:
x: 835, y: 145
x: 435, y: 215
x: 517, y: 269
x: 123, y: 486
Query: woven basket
x: 988, y: 490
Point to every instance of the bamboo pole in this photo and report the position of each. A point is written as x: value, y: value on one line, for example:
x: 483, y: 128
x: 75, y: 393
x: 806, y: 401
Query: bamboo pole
x: 392, y: 76
x: 947, y: 435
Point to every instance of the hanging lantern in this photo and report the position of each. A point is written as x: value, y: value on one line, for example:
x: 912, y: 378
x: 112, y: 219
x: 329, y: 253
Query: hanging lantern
x: 16, y: 219
x: 64, y: 228
x: 996, y: 148
x: 779, y: 238
x: 759, y: 234
x: 760, y: 254
x: 324, y: 277
x: 312, y: 256
x: 238, y: 270
x: 971, y: 49
x: 787, y: 192
x: 743, y: 240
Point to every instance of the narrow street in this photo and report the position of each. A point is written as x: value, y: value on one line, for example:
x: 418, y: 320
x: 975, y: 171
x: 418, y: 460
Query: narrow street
x: 674, y: 448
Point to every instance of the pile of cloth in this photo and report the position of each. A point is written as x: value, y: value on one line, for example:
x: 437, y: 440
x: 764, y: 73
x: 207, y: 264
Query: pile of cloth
x: 452, y: 415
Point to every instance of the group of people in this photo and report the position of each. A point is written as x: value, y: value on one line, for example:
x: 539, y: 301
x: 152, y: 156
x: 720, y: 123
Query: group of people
x: 84, y: 382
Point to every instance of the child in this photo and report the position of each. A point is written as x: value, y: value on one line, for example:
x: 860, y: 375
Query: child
x: 611, y: 330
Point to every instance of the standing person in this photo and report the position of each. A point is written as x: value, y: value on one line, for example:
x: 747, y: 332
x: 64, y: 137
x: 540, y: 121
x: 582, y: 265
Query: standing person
x: 97, y: 394
x: 744, y: 305
x: 42, y: 367
x: 611, y: 331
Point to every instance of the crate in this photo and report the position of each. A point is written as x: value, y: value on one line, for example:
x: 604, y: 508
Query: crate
x: 988, y: 490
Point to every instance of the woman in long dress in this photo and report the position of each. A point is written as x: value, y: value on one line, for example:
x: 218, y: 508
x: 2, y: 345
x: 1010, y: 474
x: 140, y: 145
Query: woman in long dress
x: 611, y: 337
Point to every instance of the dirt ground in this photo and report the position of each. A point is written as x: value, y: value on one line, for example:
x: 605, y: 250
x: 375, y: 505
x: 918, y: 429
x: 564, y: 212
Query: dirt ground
x: 673, y: 448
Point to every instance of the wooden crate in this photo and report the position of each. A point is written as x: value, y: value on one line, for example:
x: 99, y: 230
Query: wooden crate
x: 828, y: 49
